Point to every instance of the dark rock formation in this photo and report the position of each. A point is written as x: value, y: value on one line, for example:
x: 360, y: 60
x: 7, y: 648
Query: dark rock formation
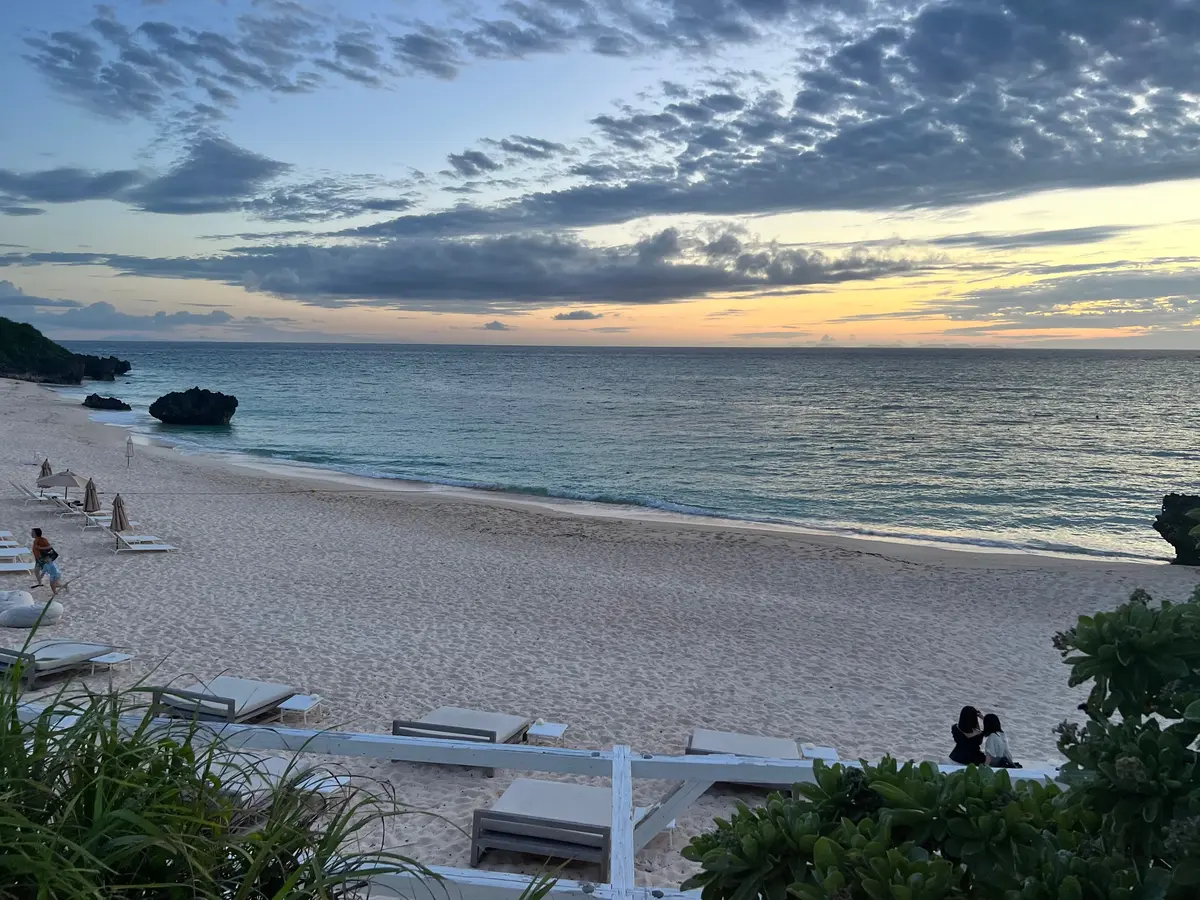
x: 27, y: 354
x: 103, y: 368
x: 95, y: 401
x: 194, y: 407
x: 1175, y: 525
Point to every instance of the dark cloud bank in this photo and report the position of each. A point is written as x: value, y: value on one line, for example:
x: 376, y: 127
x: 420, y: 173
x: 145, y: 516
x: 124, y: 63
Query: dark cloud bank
x: 213, y: 176
x: 896, y: 105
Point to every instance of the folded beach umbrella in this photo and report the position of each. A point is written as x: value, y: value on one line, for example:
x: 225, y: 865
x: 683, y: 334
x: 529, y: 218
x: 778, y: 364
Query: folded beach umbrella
x: 120, y: 521
x: 91, y: 498
x: 46, y: 470
x: 65, y: 480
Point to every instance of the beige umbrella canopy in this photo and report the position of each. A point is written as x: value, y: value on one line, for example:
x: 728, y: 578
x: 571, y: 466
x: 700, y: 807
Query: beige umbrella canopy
x: 46, y: 471
x: 120, y: 520
x: 65, y: 480
x: 91, y: 498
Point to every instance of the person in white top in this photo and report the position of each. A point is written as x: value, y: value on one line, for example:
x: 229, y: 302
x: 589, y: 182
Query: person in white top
x: 995, y: 744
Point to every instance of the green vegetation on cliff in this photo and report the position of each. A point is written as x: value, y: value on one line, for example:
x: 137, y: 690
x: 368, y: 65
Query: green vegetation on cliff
x: 27, y: 354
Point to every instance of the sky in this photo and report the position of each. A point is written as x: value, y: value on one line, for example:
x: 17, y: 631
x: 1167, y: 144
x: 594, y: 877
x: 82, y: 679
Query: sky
x: 1017, y: 173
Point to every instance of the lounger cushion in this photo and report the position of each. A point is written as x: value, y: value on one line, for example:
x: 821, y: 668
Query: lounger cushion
x: 52, y: 655
x: 555, y: 801
x: 730, y: 743
x: 250, y: 698
x: 505, y: 726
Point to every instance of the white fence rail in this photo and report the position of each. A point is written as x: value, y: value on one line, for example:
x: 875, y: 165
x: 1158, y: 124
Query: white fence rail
x: 620, y: 764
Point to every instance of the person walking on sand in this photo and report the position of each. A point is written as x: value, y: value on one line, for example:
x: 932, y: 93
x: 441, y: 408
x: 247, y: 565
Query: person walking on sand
x: 42, y: 552
x: 52, y: 572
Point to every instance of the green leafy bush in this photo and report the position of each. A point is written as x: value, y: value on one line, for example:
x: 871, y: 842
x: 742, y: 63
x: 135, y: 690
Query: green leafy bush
x: 92, y: 807
x: 1128, y: 828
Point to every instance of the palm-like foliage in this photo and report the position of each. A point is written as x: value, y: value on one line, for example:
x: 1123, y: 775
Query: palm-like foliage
x: 96, y: 804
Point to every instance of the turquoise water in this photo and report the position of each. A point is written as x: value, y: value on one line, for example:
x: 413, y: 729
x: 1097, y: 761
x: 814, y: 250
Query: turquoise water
x: 1056, y: 450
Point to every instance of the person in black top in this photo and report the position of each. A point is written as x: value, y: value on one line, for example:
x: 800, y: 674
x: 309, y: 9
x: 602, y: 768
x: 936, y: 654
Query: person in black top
x: 968, y: 736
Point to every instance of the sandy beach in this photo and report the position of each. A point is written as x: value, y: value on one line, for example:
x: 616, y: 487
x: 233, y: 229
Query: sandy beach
x: 389, y: 602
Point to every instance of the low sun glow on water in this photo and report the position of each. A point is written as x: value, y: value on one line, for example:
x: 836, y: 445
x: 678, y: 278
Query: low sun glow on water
x: 1057, y: 450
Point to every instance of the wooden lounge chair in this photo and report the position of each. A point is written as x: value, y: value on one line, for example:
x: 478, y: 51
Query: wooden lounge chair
x: 52, y: 657
x: 221, y: 699
x: 558, y: 819
x: 452, y: 723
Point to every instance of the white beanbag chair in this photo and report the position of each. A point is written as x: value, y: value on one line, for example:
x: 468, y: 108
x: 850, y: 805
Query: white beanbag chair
x: 22, y: 598
x: 25, y: 613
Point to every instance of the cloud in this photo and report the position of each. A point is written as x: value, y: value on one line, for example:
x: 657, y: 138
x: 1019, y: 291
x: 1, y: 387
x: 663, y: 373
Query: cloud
x: 12, y: 296
x: 495, y: 325
x: 530, y: 147
x: 213, y: 176
x: 61, y: 185
x: 1093, y: 234
x: 578, y: 315
x: 611, y: 329
x: 501, y: 273
x: 1144, y: 299
x: 771, y: 335
x: 472, y: 162
x: 105, y: 319
x: 905, y: 108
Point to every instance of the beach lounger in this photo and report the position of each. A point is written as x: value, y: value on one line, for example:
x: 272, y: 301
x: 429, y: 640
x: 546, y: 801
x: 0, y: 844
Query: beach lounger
x: 11, y: 553
x: 729, y: 743
x: 705, y: 742
x: 140, y: 543
x: 52, y: 657
x: 252, y: 777
x: 6, y: 535
x: 16, y: 568
x: 558, y: 819
x: 452, y: 723
x: 28, y: 496
x: 221, y: 699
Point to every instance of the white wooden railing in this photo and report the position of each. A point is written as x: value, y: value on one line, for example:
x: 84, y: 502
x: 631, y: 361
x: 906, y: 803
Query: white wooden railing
x: 619, y: 764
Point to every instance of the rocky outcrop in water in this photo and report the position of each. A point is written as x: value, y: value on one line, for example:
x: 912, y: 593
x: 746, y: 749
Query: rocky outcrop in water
x: 95, y: 401
x: 1175, y: 526
x: 194, y: 406
x: 28, y: 355
x: 103, y: 368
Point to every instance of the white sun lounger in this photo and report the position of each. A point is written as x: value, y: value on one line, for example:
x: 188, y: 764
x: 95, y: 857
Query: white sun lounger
x: 52, y: 657
x: 552, y: 818
x: 140, y: 543
x: 16, y: 568
x: 221, y: 699
x: 28, y: 496
x: 14, y: 552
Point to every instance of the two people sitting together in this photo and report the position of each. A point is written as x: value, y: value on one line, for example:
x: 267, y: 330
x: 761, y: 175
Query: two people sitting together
x: 979, y: 740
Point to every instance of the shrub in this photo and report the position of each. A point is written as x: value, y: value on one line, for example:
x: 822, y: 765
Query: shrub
x: 1128, y: 828
x: 94, y: 807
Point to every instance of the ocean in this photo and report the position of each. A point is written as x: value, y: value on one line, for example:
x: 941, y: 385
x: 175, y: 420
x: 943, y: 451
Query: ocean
x: 1060, y: 451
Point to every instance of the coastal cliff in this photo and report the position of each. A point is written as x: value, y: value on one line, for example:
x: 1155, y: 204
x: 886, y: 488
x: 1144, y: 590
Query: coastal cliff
x: 28, y: 355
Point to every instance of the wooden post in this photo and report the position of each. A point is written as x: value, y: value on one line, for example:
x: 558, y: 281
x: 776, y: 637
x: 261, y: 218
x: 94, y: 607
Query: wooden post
x: 620, y: 869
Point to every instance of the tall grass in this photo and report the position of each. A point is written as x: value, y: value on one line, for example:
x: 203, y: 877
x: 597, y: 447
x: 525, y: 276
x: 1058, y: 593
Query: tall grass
x: 98, y: 800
